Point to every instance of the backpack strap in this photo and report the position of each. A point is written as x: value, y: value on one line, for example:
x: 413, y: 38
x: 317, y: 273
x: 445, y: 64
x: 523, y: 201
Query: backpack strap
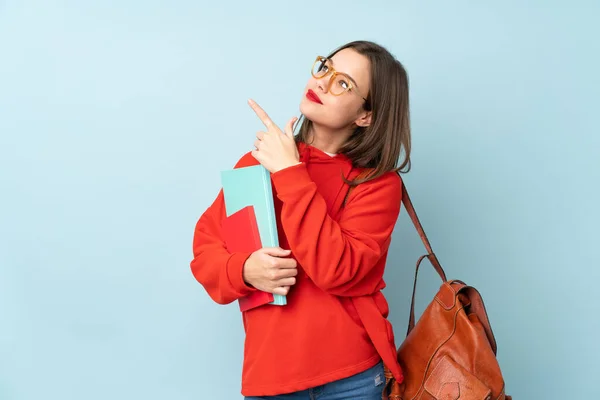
x: 415, y: 220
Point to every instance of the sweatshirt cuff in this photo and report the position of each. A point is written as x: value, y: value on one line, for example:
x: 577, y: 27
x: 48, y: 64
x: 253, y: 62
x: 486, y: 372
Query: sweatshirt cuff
x: 235, y: 269
x: 291, y: 179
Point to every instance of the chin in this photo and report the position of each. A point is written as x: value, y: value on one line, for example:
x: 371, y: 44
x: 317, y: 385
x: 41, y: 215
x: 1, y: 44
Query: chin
x: 320, y: 117
x: 305, y: 107
x: 311, y: 111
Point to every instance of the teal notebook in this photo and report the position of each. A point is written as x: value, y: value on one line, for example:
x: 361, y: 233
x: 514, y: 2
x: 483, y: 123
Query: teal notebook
x: 251, y: 186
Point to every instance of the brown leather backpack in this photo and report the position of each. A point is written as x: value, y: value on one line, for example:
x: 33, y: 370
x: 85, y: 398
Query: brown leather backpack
x: 450, y: 353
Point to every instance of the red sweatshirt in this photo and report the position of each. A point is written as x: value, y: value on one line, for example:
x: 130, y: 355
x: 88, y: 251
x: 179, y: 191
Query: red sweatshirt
x: 319, y: 336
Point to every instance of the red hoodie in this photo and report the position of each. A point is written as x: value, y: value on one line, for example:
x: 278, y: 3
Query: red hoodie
x: 335, y: 323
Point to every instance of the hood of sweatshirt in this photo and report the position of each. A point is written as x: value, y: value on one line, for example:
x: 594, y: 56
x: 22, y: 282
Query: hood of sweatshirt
x: 327, y: 171
x: 310, y: 154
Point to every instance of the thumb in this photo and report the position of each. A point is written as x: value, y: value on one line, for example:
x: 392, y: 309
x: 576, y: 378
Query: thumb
x: 289, y: 128
x: 276, y: 251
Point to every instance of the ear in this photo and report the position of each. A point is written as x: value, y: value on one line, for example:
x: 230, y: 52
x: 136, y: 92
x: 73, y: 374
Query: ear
x: 364, y: 119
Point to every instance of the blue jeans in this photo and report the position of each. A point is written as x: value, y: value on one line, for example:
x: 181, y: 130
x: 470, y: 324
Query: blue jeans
x: 367, y: 385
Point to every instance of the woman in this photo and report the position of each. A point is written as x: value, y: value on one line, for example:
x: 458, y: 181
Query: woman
x: 332, y: 339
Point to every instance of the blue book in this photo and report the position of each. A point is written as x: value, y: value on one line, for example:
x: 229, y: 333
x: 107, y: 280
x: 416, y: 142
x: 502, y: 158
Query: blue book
x: 251, y: 186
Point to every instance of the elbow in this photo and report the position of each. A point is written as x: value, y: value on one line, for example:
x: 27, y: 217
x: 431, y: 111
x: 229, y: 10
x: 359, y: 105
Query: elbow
x: 220, y: 299
x: 214, y: 292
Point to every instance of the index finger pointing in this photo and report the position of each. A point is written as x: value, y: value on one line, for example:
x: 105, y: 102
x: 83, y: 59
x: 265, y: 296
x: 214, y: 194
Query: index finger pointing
x: 264, y: 117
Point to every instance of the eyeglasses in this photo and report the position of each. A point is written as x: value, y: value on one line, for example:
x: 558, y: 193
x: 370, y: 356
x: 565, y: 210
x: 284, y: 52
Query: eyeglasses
x: 339, y: 83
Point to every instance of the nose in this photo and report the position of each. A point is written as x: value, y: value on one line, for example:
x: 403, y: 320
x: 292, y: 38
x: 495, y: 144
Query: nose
x: 323, y: 83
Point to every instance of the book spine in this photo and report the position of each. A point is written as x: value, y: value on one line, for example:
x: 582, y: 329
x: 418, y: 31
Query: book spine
x: 271, y: 214
x: 277, y: 298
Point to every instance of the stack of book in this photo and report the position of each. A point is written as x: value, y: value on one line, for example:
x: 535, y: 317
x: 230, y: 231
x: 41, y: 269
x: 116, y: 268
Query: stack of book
x: 250, y: 222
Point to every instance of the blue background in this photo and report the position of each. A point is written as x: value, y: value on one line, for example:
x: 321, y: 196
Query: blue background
x: 117, y: 116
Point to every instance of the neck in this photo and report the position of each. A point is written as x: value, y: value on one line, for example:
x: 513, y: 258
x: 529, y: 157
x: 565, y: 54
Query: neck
x: 328, y: 140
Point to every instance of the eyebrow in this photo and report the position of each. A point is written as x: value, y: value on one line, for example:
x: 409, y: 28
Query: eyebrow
x: 349, y: 77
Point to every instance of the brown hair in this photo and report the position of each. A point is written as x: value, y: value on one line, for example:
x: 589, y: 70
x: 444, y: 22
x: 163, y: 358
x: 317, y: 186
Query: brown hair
x: 378, y: 146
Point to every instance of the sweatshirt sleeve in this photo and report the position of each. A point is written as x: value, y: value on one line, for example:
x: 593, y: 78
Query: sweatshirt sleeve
x: 339, y: 256
x: 217, y: 270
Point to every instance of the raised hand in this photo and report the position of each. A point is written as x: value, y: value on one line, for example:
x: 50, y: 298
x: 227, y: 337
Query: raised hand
x: 274, y: 149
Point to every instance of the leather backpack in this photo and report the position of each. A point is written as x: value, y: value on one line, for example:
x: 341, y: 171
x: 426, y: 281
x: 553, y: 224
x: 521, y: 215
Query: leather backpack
x: 450, y: 353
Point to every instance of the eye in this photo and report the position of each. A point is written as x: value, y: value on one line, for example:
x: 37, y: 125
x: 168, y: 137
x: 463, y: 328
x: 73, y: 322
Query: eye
x: 324, y: 67
x: 344, y: 84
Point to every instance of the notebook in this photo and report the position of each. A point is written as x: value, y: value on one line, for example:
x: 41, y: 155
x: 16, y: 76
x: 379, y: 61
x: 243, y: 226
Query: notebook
x: 251, y: 186
x: 240, y: 232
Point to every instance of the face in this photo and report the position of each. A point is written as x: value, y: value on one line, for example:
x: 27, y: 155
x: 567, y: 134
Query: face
x: 344, y: 111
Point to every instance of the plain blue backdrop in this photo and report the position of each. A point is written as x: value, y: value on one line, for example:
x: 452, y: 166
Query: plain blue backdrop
x: 117, y: 116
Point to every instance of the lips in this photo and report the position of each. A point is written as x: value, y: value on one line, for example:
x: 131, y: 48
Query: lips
x: 312, y: 96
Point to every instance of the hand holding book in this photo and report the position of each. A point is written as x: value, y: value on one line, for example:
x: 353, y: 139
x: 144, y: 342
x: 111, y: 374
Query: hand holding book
x: 270, y: 271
